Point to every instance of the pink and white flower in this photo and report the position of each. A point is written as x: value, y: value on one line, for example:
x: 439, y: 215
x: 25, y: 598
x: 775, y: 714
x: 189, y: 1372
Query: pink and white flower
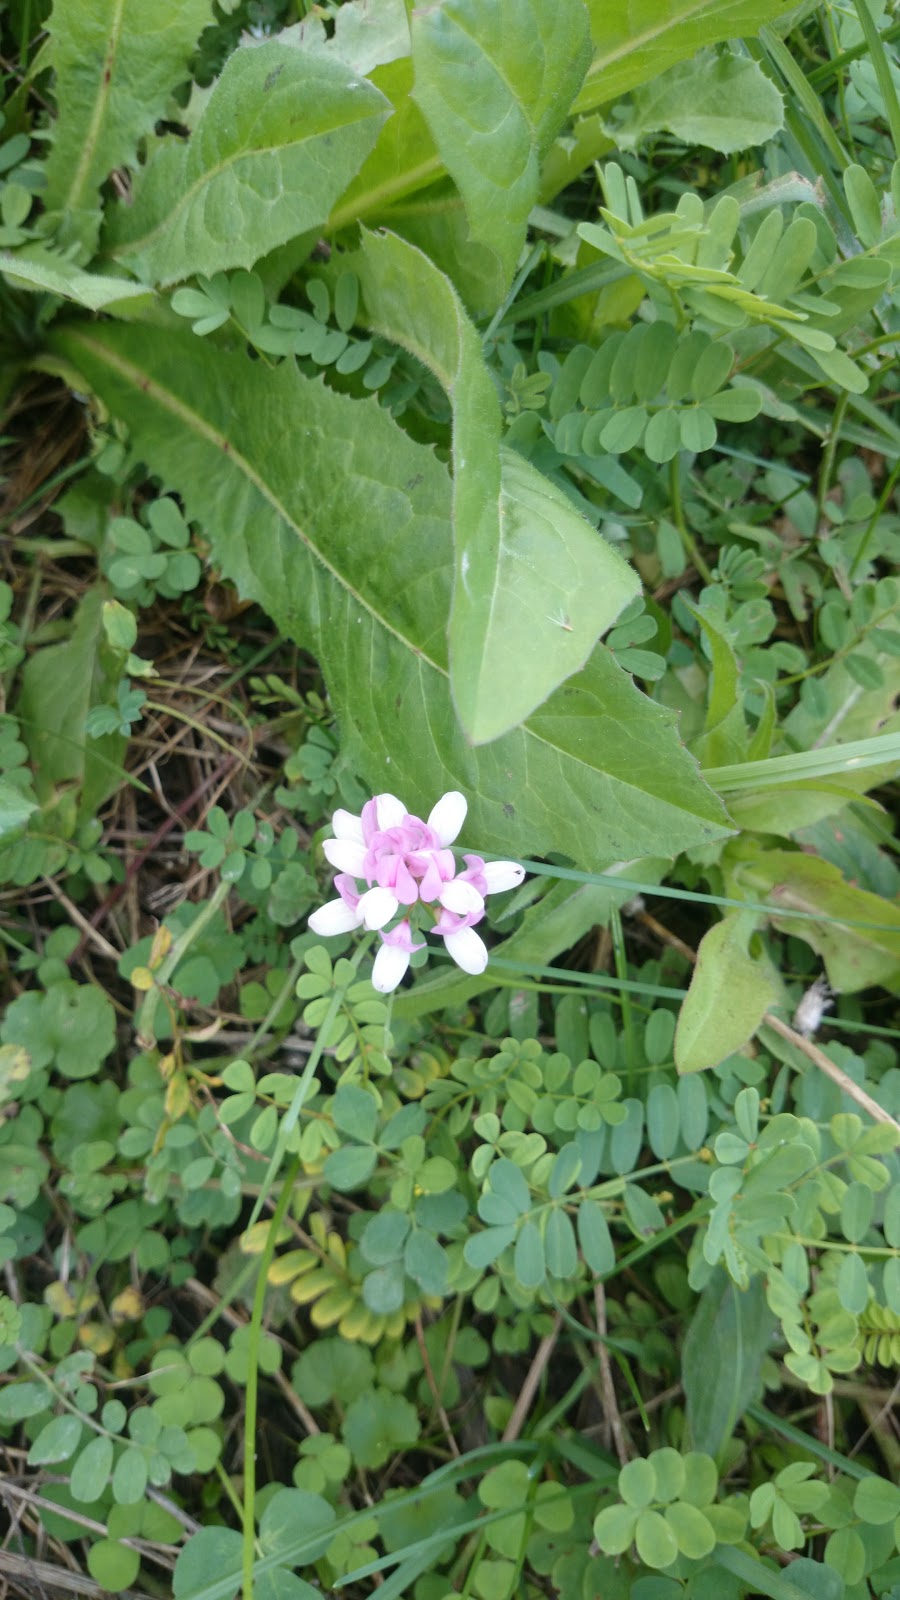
x: 405, y: 862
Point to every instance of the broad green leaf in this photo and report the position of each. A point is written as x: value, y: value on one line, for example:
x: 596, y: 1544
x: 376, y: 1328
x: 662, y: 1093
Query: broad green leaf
x: 854, y: 957
x: 722, y: 1358
x: 598, y: 772
x: 59, y: 686
x: 495, y: 80
x: 34, y: 268
x: 404, y: 158
x: 437, y: 226
x: 724, y: 732
x: 211, y: 1554
x: 375, y: 1425
x: 288, y: 1511
x: 116, y: 63
x: 725, y: 102
x: 729, y: 995
x: 535, y: 584
x: 636, y: 40
x: 15, y: 809
x: 276, y: 144
x: 362, y: 37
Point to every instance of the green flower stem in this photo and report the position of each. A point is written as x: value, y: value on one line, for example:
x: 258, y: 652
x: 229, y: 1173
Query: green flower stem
x: 684, y: 532
x: 288, y: 1123
x: 147, y: 1014
x: 268, y: 1020
x: 292, y: 1115
x: 250, y: 1412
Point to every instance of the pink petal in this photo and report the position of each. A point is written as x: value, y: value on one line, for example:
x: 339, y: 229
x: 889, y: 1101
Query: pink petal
x: 346, y: 855
x: 346, y: 888
x: 405, y: 886
x: 502, y: 875
x: 461, y: 897
x: 448, y: 816
x: 377, y: 906
x: 389, y: 969
x: 347, y: 826
x: 333, y: 918
x: 468, y: 950
x: 401, y: 936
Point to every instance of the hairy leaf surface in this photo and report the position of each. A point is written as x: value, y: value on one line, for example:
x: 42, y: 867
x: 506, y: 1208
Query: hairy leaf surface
x: 729, y: 995
x: 534, y: 583
x: 34, y: 268
x: 279, y: 139
x: 116, y: 63
x: 635, y: 40
x: 723, y: 101
x: 495, y: 80
x: 323, y: 510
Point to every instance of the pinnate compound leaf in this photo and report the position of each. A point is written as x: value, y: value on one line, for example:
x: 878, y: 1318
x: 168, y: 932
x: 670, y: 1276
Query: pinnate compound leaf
x: 116, y: 63
x: 636, y: 40
x: 278, y: 140
x: 724, y: 102
x: 535, y: 585
x: 729, y: 995
x: 351, y: 558
x: 495, y: 80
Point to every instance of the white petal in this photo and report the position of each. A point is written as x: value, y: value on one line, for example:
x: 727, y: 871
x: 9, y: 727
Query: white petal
x: 461, y: 896
x: 390, y: 966
x: 346, y: 855
x: 449, y: 815
x: 335, y: 917
x: 503, y: 875
x: 377, y: 907
x: 468, y: 950
x: 389, y: 810
x: 347, y: 826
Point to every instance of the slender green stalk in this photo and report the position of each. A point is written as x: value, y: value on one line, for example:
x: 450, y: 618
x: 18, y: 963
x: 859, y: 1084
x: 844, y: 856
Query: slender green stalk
x: 862, y: 548
x: 684, y: 532
x: 252, y: 1396
x: 621, y: 959
x: 146, y: 1024
x: 292, y: 1115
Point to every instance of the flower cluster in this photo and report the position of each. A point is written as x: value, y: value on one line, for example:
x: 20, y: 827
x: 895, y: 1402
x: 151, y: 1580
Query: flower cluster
x: 406, y: 863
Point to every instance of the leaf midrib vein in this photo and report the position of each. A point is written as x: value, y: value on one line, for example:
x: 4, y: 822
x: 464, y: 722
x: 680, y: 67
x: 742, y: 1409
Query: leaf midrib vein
x: 209, y: 174
x: 80, y: 175
x: 636, y: 42
x: 192, y: 419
